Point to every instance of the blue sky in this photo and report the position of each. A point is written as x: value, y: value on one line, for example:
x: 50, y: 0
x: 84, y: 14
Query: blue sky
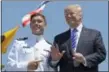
x: 95, y: 16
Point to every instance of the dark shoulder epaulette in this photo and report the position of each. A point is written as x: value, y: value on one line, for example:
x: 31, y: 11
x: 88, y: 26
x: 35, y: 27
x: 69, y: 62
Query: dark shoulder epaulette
x: 49, y: 42
x: 24, y: 38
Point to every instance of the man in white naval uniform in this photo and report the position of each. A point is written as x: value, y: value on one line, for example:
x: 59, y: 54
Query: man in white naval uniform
x: 24, y: 58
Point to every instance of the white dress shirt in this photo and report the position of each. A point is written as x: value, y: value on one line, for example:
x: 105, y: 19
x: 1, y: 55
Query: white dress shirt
x: 20, y: 55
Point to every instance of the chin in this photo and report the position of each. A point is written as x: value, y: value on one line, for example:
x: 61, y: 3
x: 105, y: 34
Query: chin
x: 37, y: 33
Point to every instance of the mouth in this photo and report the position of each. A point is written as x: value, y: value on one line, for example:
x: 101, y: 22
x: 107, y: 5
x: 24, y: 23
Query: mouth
x: 36, y: 27
x: 71, y: 19
x: 37, y: 30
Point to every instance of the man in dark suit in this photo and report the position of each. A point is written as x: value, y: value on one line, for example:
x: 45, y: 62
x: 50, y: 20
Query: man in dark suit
x: 79, y: 49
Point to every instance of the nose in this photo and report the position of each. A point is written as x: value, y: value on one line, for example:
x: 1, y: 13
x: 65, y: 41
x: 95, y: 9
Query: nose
x: 68, y: 15
x: 36, y: 23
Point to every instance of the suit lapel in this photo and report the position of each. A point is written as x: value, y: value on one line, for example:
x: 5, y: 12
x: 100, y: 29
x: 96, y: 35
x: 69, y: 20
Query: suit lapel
x: 81, y: 39
x: 68, y: 42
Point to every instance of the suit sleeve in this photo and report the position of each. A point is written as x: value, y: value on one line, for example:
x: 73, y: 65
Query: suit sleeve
x: 13, y: 64
x: 100, y: 53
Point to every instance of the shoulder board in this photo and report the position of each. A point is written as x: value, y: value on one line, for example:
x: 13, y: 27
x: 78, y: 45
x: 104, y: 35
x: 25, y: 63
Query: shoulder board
x: 24, y: 38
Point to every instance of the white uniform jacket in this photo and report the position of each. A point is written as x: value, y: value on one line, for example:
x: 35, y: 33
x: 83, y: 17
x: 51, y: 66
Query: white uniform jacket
x: 20, y: 54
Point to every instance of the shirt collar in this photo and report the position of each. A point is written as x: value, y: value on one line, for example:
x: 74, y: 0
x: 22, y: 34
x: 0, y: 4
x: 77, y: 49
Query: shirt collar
x: 79, y: 28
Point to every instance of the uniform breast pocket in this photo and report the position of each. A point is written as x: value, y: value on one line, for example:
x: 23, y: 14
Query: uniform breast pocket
x: 45, y: 53
x: 26, y: 55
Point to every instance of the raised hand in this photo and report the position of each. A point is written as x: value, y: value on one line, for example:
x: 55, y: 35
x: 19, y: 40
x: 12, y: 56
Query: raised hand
x: 55, y: 53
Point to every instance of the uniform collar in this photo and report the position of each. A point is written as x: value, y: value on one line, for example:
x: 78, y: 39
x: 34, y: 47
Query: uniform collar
x: 39, y: 38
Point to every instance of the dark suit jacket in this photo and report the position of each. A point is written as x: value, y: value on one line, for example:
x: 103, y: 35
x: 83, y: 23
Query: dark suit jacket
x: 90, y: 45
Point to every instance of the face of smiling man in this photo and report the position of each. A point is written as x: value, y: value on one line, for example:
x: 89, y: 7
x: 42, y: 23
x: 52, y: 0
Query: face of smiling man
x: 73, y: 15
x: 37, y: 24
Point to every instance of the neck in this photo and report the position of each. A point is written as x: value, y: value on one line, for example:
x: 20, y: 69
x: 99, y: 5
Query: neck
x: 76, y: 25
x: 39, y: 37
